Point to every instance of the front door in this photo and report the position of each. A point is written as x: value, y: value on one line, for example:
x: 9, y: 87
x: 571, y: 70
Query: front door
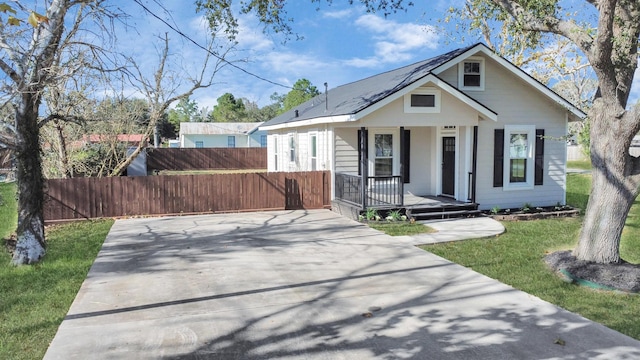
x: 448, y: 165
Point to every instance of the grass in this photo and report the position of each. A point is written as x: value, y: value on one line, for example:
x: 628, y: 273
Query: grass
x: 400, y: 228
x: 35, y: 299
x: 516, y: 258
x: 8, y: 209
x: 579, y: 164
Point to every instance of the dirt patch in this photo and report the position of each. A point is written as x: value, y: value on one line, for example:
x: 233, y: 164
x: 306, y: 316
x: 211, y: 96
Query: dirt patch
x: 622, y: 277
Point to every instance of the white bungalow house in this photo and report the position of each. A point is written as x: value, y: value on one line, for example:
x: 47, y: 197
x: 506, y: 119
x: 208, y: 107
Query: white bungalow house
x: 467, y: 125
x: 221, y: 134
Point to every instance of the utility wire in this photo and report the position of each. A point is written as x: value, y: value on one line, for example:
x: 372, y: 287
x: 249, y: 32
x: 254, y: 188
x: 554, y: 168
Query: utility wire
x: 179, y: 32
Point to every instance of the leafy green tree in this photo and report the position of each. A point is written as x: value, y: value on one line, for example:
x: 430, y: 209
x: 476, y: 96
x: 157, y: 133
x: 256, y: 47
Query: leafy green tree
x: 302, y: 91
x: 606, y: 32
x: 229, y: 109
x: 185, y: 110
x: 255, y: 113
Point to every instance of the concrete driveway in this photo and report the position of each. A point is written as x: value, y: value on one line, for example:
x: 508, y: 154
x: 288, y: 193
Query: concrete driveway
x: 305, y: 285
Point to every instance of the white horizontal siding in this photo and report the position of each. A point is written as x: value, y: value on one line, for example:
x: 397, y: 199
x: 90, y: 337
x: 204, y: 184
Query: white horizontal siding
x: 517, y: 104
x: 346, y: 150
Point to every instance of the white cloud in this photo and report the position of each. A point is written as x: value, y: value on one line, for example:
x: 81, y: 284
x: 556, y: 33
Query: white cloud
x: 338, y: 14
x: 251, y: 36
x: 394, y: 42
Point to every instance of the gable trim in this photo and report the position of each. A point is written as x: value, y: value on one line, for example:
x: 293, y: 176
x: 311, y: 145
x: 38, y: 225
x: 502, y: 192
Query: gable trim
x: 514, y: 70
x: 484, y: 111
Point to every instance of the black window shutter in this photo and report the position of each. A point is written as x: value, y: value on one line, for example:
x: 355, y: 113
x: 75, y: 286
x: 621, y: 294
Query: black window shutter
x: 539, y: 169
x: 406, y: 173
x: 498, y: 157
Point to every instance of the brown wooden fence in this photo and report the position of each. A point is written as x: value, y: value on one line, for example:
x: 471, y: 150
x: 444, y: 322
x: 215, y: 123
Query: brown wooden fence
x: 87, y: 198
x: 206, y: 158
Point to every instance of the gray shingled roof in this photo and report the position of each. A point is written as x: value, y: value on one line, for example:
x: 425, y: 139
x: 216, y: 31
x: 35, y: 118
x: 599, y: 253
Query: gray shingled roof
x: 354, y: 97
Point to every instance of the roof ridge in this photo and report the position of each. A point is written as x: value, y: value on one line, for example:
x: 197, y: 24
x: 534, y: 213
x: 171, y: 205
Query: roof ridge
x: 458, y: 50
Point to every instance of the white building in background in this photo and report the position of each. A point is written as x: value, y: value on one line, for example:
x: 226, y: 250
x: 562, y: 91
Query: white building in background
x: 219, y: 134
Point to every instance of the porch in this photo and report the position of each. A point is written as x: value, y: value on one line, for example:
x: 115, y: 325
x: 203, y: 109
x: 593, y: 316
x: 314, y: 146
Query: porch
x: 386, y: 193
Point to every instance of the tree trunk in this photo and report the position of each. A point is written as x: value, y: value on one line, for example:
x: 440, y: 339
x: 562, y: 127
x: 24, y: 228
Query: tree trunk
x: 30, y: 246
x: 604, y: 220
x: 62, y: 150
x: 614, y: 188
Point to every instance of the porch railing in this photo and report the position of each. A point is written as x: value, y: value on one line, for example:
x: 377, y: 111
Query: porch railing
x: 380, y: 191
x: 348, y: 188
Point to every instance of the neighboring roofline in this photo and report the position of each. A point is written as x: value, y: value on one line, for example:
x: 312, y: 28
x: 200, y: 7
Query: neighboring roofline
x: 256, y: 128
x: 220, y: 125
x: 514, y: 70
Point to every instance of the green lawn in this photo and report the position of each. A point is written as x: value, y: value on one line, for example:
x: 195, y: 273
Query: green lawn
x: 515, y: 258
x: 8, y: 209
x: 579, y: 164
x: 35, y: 299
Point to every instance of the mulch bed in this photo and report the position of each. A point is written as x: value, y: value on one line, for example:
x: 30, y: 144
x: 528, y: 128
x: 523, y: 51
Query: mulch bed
x: 533, y: 214
x: 623, y: 277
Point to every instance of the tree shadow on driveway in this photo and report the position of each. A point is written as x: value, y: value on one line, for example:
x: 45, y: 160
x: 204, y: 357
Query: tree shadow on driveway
x: 305, y: 285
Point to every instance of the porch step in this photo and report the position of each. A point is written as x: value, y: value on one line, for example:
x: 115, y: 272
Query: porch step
x: 443, y: 211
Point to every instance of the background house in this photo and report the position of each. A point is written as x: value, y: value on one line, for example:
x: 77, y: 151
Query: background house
x: 219, y: 134
x: 467, y: 125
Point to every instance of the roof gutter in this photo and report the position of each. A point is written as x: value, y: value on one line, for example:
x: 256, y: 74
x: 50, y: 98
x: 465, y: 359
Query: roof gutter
x: 310, y: 122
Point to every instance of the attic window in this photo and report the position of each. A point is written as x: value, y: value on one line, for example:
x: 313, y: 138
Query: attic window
x: 471, y: 74
x: 424, y: 100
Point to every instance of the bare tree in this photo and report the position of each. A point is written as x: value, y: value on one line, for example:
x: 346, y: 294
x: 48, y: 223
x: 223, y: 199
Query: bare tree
x: 165, y: 88
x: 31, y: 53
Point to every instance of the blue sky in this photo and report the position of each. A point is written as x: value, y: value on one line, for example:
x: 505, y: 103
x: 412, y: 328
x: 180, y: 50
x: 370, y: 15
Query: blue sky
x: 341, y: 44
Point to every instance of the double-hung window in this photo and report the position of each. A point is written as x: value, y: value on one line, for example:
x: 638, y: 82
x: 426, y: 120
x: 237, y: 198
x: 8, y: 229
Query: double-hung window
x: 199, y: 144
x: 231, y: 141
x: 292, y: 148
x: 275, y: 152
x: 383, y: 154
x: 313, y: 151
x: 471, y: 74
x: 519, y: 150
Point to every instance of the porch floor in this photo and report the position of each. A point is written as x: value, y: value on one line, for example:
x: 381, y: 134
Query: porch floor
x: 411, y: 200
